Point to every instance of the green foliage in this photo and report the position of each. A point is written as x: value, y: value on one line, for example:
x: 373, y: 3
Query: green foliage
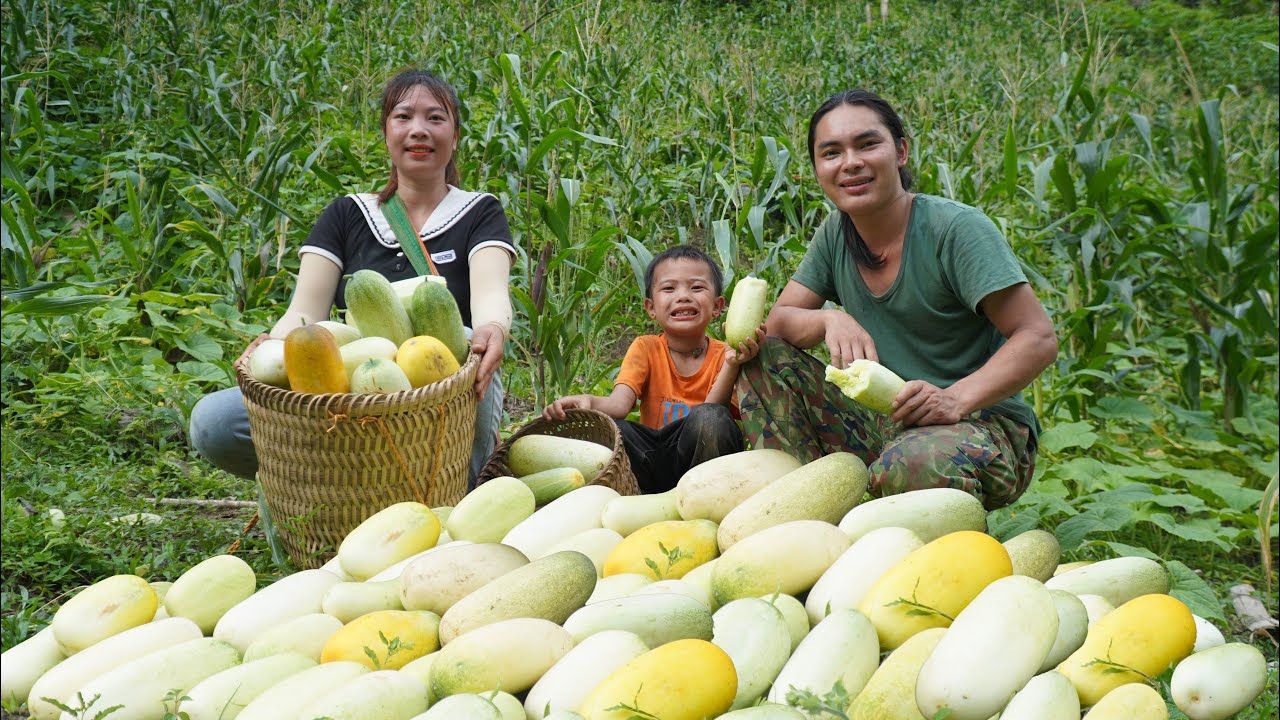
x: 831, y: 705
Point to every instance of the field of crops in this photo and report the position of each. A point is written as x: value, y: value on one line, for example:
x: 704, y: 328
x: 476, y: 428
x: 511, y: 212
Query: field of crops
x: 163, y: 160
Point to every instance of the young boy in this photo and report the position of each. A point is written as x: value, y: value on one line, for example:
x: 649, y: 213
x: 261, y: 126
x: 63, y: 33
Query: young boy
x: 682, y: 378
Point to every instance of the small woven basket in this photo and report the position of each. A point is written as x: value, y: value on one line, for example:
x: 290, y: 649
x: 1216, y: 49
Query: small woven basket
x: 590, y: 425
x: 327, y: 462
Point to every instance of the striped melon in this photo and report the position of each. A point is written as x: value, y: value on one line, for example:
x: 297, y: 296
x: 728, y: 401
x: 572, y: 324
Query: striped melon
x: 560, y: 520
x: 566, y: 684
x: 842, y: 648
x: 509, y: 655
x: 710, y: 490
x: 657, y: 618
x: 787, y: 558
x: 551, y: 588
x: 754, y: 635
x: 825, y: 489
x: 487, y: 514
x: 1119, y: 580
x: 929, y: 513
x: 304, y: 635
x: 890, y: 694
x: 224, y: 695
x: 440, y: 579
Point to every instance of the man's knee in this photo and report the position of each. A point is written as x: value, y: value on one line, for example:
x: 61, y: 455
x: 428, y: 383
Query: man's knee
x: 919, y: 466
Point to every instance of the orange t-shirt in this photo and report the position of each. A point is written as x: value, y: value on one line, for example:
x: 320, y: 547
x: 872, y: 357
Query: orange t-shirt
x: 666, y: 395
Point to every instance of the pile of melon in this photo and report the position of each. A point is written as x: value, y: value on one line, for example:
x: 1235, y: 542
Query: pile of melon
x: 756, y: 583
x: 398, y: 336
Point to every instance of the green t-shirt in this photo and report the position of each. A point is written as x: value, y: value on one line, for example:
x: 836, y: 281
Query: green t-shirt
x: 927, y: 326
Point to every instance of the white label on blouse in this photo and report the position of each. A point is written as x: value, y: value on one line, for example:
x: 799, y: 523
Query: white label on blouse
x: 447, y: 256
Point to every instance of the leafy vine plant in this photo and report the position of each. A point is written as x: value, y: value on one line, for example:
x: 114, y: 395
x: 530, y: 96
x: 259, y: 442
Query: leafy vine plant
x: 634, y: 708
x: 392, y: 646
x: 673, y: 556
x: 917, y: 608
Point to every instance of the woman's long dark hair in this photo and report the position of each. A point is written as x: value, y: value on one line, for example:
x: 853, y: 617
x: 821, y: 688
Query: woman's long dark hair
x: 397, y: 89
x: 865, y: 98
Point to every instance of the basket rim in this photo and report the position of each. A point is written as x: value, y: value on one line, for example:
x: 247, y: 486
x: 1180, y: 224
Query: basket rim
x: 262, y: 393
x: 530, y: 428
x: 496, y: 464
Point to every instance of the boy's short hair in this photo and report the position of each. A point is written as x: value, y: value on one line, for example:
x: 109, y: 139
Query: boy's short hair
x: 683, y: 252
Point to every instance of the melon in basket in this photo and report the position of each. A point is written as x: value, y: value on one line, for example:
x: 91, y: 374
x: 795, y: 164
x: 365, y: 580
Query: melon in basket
x: 535, y: 453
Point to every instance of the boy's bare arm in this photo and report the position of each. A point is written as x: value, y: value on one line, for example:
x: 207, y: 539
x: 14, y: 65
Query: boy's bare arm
x: 616, y: 404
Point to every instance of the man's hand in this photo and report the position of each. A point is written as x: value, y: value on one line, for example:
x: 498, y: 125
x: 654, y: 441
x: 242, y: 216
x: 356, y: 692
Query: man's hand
x: 487, y: 341
x: 920, y: 403
x: 746, y: 350
x: 847, y: 340
x: 556, y: 410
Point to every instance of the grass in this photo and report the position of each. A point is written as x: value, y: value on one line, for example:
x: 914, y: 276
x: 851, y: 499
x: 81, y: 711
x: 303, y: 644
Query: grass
x: 163, y: 160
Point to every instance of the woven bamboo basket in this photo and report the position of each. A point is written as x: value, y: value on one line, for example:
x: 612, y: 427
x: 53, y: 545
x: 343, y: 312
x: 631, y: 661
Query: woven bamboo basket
x: 327, y: 462
x: 591, y: 425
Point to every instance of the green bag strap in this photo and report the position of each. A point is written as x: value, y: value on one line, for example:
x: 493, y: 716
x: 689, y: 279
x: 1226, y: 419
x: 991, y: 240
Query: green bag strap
x: 410, y: 242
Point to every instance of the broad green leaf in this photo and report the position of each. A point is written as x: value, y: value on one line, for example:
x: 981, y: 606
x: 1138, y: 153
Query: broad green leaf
x: 1133, y: 472
x: 1045, y: 503
x: 1190, y: 503
x: 1123, y: 550
x: 1127, y: 495
x: 1107, y: 518
x: 1086, y: 472
x: 200, y: 346
x: 1197, y: 530
x: 1068, y: 435
x: 1192, y: 590
x: 205, y: 372
x: 1226, y: 486
x: 47, y: 306
x: 1007, y: 522
x: 1265, y: 468
x: 1118, y: 407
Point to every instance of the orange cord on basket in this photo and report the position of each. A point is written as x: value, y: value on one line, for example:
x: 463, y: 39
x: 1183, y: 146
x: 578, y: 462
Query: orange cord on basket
x: 408, y: 477
x: 233, y: 547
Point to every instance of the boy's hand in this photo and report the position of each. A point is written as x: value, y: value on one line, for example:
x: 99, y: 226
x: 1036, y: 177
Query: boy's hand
x: 555, y: 411
x: 746, y: 350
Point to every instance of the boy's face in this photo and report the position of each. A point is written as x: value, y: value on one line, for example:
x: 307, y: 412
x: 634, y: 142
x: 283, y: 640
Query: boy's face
x: 684, y: 298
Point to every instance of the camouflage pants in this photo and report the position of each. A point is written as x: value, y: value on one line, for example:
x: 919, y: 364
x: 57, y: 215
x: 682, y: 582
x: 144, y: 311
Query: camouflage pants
x: 788, y: 405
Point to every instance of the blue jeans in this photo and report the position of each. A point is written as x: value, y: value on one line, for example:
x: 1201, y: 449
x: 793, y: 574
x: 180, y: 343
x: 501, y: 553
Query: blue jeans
x: 219, y: 430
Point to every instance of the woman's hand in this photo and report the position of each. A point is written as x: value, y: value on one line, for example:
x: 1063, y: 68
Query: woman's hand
x: 847, y: 340
x: 920, y: 403
x: 746, y: 350
x: 556, y: 410
x: 487, y: 341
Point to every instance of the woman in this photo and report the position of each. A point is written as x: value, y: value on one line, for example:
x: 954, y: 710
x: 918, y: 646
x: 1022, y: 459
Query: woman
x: 927, y: 287
x: 461, y: 235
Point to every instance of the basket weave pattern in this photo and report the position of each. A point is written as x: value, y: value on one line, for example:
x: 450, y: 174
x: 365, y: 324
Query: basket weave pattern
x: 327, y: 462
x: 591, y: 425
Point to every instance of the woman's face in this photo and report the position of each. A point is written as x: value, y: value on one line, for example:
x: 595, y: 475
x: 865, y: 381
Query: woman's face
x: 857, y: 161
x: 421, y: 134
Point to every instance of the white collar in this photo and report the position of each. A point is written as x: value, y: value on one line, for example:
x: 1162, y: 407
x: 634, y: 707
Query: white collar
x: 453, y: 207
